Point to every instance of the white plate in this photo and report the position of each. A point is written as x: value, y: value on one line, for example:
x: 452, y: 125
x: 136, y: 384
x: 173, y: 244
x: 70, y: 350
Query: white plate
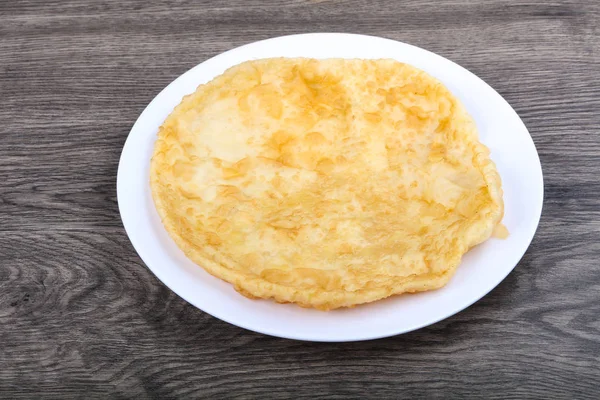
x: 481, y: 270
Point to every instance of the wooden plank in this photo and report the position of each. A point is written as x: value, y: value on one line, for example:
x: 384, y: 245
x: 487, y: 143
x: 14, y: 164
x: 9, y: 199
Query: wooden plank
x: 81, y: 316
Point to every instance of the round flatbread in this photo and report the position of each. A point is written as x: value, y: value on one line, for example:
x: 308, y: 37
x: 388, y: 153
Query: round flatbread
x: 327, y: 183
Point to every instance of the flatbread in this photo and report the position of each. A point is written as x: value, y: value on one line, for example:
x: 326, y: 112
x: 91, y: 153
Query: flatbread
x: 326, y: 183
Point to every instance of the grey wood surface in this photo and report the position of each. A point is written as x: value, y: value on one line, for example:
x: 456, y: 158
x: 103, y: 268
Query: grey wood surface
x: 82, y: 317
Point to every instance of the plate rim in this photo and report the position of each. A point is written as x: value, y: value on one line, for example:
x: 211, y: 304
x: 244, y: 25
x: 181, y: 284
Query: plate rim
x: 274, y: 332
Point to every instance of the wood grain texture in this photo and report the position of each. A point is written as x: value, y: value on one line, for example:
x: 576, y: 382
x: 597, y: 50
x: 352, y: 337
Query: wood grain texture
x: 82, y: 317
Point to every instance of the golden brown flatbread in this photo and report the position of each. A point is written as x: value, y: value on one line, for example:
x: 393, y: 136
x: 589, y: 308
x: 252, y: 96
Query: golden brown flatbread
x: 326, y: 183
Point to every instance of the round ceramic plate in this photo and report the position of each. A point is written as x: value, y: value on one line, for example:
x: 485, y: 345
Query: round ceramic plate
x: 482, y: 268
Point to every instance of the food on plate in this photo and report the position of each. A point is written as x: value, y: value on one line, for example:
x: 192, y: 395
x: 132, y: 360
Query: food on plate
x: 325, y: 183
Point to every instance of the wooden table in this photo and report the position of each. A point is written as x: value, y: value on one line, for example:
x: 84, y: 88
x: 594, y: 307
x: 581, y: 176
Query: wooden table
x: 80, y: 314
